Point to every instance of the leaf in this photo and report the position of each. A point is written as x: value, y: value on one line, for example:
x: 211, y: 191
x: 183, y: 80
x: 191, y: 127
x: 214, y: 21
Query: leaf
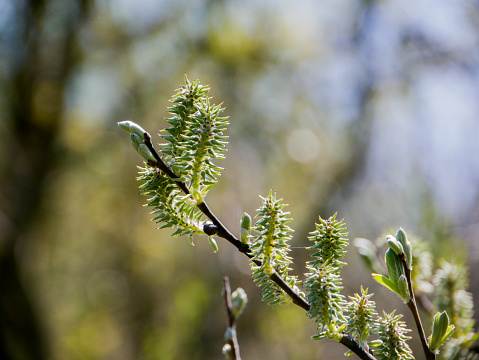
x: 213, y: 243
x: 449, y: 332
x: 394, y: 265
x: 386, y: 282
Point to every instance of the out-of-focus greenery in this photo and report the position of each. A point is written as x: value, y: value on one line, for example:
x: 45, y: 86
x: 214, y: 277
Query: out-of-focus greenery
x: 363, y: 107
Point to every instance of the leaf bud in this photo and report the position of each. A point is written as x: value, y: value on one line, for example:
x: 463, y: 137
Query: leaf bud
x: 403, y: 289
x: 132, y: 128
x: 213, y: 243
x: 440, y: 327
x: 239, y: 299
x: 394, y: 265
x: 227, y: 351
x: 245, y: 227
x: 136, y: 141
x: 145, y: 153
x: 395, y: 245
x: 407, y: 246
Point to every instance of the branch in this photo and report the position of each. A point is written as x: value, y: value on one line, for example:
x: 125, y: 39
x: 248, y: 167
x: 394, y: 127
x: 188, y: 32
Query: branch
x: 347, y: 341
x: 233, y: 342
x: 223, y: 232
x: 412, y: 306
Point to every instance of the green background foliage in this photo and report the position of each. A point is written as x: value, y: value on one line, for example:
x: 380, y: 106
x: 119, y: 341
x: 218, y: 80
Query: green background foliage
x: 362, y: 107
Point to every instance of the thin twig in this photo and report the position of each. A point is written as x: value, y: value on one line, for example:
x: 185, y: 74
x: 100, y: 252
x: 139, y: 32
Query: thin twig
x: 421, y: 298
x: 231, y: 319
x: 356, y: 348
x: 412, y: 306
x: 224, y: 233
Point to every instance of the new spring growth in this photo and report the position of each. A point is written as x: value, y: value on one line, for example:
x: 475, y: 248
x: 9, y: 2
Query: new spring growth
x: 406, y: 245
x: 397, y: 281
x: 395, y: 245
x: 392, y: 334
x: 211, y: 229
x: 403, y: 289
x: 213, y: 244
x: 395, y: 271
x: 239, y: 299
x: 132, y: 128
x: 401, y: 283
x: 245, y: 228
x: 227, y: 352
x: 137, y: 136
x: 441, y: 331
x: 362, y: 314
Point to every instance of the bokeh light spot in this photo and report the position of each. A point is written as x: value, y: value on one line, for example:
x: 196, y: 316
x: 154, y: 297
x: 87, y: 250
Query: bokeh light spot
x: 303, y: 145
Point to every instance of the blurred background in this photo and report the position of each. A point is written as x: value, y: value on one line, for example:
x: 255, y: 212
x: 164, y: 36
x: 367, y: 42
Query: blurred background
x: 368, y: 108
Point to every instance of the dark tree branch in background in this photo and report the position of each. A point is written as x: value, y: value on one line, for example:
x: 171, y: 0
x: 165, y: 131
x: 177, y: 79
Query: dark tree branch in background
x: 40, y: 60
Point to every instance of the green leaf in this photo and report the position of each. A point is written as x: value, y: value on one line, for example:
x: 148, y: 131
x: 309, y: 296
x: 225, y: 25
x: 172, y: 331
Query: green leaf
x: 403, y: 289
x: 213, y: 243
x: 407, y: 246
x: 395, y: 245
x: 394, y: 265
x: 450, y: 330
x: 386, y: 282
x: 441, y: 330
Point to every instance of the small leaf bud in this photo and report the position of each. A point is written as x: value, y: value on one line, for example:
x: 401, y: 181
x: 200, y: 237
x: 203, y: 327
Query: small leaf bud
x: 245, y: 227
x: 439, y: 328
x: 125, y: 125
x: 136, y: 141
x: 403, y: 289
x: 407, y: 246
x: 132, y: 127
x: 394, y: 265
x: 227, y: 351
x: 395, y: 245
x: 145, y: 152
x: 239, y: 299
x: 213, y: 243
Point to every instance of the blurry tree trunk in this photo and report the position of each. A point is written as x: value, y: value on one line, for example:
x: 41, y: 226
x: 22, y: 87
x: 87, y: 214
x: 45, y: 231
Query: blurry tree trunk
x: 34, y: 105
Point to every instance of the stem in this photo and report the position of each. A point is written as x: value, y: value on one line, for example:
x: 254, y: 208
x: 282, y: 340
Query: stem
x: 356, y: 348
x: 412, y: 306
x: 231, y: 320
x: 224, y: 233
x: 297, y: 300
